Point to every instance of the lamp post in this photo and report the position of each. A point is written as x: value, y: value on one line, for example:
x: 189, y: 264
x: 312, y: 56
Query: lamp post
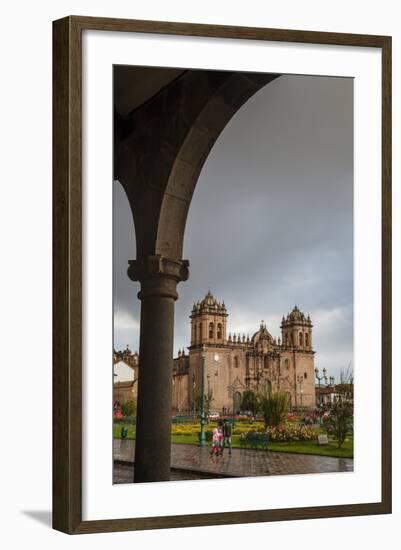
x: 202, y: 438
x: 300, y: 380
x: 208, y: 402
x: 331, y: 384
x: 231, y: 393
x: 193, y: 395
x: 216, y: 359
x: 319, y: 379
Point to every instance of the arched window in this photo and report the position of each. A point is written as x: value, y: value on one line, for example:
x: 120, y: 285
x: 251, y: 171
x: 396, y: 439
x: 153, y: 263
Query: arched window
x: 305, y: 375
x: 301, y: 340
x: 211, y: 330
x: 219, y: 331
x: 194, y: 333
x: 306, y: 340
x: 286, y: 340
x: 200, y: 332
x: 236, y: 362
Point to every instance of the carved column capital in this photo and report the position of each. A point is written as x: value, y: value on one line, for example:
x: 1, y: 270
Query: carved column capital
x: 158, y: 275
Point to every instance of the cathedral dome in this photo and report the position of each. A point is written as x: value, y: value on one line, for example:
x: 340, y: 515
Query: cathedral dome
x: 262, y: 334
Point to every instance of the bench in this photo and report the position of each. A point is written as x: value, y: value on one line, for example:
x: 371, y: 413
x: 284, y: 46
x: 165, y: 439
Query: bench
x: 254, y: 440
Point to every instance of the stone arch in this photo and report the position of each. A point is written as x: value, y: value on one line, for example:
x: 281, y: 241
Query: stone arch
x: 207, y: 127
x: 161, y: 146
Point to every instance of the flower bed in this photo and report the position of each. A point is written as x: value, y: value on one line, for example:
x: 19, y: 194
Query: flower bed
x: 287, y: 433
x: 193, y: 428
x: 292, y: 432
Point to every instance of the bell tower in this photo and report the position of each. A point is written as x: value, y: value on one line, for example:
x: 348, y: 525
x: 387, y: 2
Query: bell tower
x: 208, y: 321
x: 296, y: 330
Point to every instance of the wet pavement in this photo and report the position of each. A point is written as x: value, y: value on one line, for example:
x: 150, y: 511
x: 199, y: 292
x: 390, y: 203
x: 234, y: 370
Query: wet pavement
x: 193, y: 462
x: 124, y: 473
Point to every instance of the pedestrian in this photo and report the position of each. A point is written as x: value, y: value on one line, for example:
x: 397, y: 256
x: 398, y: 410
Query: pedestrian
x: 221, y: 439
x: 227, y: 431
x: 215, y: 443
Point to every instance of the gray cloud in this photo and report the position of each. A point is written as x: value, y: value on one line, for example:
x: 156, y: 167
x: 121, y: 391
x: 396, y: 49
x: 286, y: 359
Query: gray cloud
x: 271, y: 221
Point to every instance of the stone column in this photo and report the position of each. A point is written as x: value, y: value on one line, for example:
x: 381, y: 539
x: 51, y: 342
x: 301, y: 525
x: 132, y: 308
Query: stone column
x: 158, y: 277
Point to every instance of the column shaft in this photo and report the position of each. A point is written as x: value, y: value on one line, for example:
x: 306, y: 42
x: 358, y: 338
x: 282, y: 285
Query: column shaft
x: 158, y: 277
x: 153, y: 427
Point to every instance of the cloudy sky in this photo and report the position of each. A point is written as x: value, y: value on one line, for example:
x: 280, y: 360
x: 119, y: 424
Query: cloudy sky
x: 271, y: 221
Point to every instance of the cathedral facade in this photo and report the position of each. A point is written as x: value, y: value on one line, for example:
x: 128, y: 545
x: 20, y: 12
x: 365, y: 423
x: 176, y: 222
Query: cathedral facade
x: 235, y: 363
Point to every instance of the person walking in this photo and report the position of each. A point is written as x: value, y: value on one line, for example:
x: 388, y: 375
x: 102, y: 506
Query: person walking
x: 215, y: 450
x: 221, y: 439
x: 227, y: 431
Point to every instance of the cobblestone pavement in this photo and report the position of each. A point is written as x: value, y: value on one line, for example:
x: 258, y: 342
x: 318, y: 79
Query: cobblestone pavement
x: 193, y: 460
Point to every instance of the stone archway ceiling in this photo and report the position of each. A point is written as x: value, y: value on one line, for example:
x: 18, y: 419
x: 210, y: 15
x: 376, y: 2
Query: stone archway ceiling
x: 133, y: 86
x: 166, y: 122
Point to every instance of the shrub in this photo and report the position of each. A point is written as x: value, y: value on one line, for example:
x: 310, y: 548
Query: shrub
x: 273, y: 406
x: 128, y: 408
x: 339, y: 423
x: 249, y: 402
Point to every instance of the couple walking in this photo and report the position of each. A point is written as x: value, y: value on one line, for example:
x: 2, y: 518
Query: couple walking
x: 221, y: 438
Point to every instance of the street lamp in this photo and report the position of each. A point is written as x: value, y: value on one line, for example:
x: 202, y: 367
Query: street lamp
x: 208, y: 402
x: 300, y: 380
x: 202, y: 438
x: 231, y: 393
x: 216, y: 359
x: 319, y: 379
x: 193, y: 395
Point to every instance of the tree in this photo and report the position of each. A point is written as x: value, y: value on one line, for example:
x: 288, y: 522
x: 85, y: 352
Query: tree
x: 249, y: 402
x: 273, y: 406
x: 346, y: 386
x: 341, y: 418
x: 128, y: 408
x: 347, y: 376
